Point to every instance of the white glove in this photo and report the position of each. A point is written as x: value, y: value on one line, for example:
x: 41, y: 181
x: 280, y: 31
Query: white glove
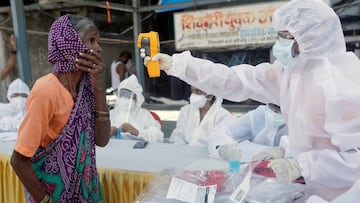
x: 229, y: 152
x: 286, y: 170
x: 270, y: 153
x: 164, y: 60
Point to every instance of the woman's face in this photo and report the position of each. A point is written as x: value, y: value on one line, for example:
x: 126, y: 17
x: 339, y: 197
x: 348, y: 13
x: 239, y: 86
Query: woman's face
x: 91, y: 38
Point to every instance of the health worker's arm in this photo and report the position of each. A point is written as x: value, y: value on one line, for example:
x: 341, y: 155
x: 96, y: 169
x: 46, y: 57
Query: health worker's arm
x: 152, y: 129
x: 238, y: 83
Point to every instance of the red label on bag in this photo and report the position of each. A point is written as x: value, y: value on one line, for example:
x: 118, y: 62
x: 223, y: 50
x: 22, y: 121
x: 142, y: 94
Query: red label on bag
x: 263, y: 170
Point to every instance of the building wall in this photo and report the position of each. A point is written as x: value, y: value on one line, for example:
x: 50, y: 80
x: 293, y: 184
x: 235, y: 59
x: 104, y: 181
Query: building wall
x: 37, y: 39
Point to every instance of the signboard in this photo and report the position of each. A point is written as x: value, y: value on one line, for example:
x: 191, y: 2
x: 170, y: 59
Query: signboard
x: 237, y: 26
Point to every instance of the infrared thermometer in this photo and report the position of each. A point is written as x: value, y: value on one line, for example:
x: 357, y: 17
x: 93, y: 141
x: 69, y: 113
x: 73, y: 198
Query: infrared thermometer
x: 149, y: 41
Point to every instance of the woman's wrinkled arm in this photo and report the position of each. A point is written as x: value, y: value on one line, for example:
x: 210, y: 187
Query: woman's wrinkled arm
x: 23, y: 168
x: 102, y: 121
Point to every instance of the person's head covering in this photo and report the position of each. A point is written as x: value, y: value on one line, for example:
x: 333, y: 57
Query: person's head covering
x: 315, y: 26
x: 64, y: 45
x: 131, y: 83
x: 17, y: 86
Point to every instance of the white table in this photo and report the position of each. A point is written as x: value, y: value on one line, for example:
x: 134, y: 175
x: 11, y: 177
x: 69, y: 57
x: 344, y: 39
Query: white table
x: 123, y: 171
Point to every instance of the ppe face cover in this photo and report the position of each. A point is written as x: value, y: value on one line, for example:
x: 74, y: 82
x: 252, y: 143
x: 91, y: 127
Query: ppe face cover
x: 283, y: 51
x: 18, y: 103
x: 127, y: 94
x: 198, y: 101
x: 275, y: 119
x: 125, y: 103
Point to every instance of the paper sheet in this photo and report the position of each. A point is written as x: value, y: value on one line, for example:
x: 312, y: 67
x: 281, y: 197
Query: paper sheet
x: 189, y: 192
x: 249, y: 150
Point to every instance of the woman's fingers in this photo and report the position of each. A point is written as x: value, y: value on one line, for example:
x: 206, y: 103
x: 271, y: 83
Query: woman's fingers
x: 90, y: 62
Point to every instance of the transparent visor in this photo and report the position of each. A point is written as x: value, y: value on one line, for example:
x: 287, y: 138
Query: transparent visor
x: 127, y: 94
x: 126, y: 100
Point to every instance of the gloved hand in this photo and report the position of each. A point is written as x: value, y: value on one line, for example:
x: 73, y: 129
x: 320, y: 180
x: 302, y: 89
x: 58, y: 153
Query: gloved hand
x: 164, y: 60
x: 286, y: 170
x: 270, y: 153
x: 229, y: 152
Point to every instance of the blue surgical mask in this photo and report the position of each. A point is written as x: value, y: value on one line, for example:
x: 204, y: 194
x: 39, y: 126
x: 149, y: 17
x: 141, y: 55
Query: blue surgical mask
x: 275, y: 119
x: 283, y: 51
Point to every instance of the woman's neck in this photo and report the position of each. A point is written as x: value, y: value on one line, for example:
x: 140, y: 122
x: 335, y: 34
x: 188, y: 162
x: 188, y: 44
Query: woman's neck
x: 70, y: 81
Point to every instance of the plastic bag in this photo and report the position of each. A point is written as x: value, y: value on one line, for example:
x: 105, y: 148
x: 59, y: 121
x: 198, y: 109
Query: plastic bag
x: 271, y: 191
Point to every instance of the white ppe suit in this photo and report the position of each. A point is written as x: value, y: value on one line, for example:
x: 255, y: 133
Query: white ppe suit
x: 190, y: 130
x: 319, y: 94
x: 260, y: 126
x: 134, y: 114
x: 350, y: 196
x: 12, y: 113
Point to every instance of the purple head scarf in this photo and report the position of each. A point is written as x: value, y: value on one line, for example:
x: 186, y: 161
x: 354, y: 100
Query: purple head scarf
x: 67, y: 166
x: 64, y: 45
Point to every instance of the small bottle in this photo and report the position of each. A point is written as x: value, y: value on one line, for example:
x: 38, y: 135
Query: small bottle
x: 234, y: 162
x: 234, y: 174
x: 234, y: 165
x: 118, y: 133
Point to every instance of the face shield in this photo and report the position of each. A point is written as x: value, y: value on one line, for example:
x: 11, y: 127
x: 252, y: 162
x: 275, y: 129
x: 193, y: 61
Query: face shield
x: 18, y: 101
x: 125, y: 102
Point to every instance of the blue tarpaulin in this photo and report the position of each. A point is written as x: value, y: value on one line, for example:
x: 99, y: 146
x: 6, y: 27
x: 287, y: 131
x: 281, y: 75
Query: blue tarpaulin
x: 164, y: 2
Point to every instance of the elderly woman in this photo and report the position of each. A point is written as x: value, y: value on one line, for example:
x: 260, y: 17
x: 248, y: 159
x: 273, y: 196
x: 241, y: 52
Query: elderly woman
x: 66, y: 115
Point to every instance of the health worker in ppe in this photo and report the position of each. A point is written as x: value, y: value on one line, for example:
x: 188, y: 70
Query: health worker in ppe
x: 197, y: 119
x: 12, y: 113
x: 264, y: 125
x: 129, y: 117
x: 316, y: 83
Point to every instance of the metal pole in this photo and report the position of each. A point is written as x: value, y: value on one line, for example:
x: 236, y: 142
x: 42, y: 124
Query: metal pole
x: 137, y: 29
x: 19, y: 23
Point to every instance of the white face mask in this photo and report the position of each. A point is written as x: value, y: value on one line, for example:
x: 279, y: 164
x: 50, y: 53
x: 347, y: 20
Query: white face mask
x: 198, y: 101
x: 18, y: 103
x: 283, y: 50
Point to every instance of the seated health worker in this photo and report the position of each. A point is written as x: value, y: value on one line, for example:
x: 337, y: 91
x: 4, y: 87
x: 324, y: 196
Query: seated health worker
x: 197, y: 119
x: 264, y: 125
x: 12, y: 113
x: 129, y: 117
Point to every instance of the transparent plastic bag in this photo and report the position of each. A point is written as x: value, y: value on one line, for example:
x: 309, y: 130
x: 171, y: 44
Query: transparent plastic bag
x: 272, y: 191
x: 156, y: 190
